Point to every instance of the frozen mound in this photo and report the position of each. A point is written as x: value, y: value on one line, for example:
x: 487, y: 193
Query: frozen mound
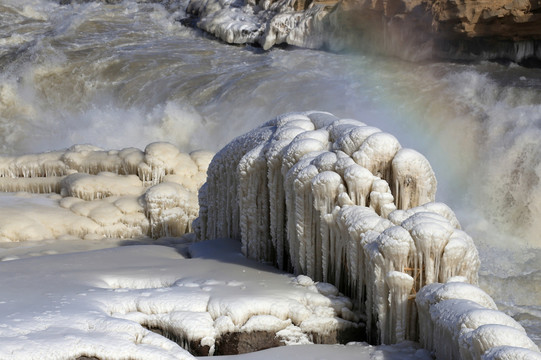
x: 460, y: 321
x: 97, y: 193
x: 344, y: 203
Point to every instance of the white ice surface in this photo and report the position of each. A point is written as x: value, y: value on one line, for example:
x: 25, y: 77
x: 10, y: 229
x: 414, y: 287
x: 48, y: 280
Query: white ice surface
x: 95, y: 302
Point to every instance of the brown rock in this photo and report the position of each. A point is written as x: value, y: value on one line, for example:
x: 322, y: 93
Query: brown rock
x: 456, y: 29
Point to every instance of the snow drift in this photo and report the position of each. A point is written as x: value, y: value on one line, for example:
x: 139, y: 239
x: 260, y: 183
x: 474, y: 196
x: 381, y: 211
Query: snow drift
x: 93, y: 192
x: 343, y: 203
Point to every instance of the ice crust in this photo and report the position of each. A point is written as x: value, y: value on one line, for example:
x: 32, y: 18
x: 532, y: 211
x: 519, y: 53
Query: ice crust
x: 73, y: 307
x: 116, y: 193
x: 343, y: 203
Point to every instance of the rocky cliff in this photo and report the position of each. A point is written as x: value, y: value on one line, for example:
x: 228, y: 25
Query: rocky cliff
x: 411, y: 29
x: 456, y: 29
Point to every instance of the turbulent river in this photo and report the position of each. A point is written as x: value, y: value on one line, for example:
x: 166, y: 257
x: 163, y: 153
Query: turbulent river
x: 129, y: 74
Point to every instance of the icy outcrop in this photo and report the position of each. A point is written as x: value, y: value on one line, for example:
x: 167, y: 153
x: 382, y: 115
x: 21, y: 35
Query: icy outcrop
x: 310, y: 193
x: 344, y: 203
x: 171, y: 208
x: 266, y: 23
x: 459, y: 321
x: 115, y: 193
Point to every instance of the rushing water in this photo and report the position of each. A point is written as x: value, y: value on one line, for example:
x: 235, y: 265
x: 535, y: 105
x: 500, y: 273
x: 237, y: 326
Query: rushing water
x: 129, y: 74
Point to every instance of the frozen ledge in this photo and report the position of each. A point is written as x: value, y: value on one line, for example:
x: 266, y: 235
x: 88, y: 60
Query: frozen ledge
x: 89, y: 192
x: 343, y: 202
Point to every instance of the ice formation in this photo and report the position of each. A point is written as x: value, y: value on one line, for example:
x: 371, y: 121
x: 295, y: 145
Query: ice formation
x: 266, y: 22
x: 310, y: 192
x: 96, y: 193
x: 459, y: 321
x: 343, y: 203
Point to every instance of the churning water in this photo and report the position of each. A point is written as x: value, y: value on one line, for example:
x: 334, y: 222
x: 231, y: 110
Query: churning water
x: 129, y: 74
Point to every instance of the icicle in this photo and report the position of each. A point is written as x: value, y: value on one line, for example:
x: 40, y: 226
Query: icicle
x: 460, y: 258
x: 253, y: 204
x: 398, y: 249
x: 292, y: 240
x: 359, y: 184
x: 303, y: 224
x: 326, y: 186
x: 376, y: 293
x: 399, y: 321
x: 381, y: 199
x: 276, y: 195
x: 291, y: 155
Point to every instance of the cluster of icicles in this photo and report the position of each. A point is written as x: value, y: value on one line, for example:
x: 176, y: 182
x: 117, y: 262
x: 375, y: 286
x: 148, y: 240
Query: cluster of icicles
x: 116, y: 193
x: 343, y: 203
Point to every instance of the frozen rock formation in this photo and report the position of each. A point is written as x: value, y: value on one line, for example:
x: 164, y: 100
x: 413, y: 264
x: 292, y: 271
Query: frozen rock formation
x: 123, y: 194
x: 344, y: 203
x: 310, y: 193
x: 414, y: 30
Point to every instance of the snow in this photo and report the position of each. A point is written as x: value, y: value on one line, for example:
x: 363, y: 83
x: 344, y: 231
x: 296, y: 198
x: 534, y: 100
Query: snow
x: 102, y: 303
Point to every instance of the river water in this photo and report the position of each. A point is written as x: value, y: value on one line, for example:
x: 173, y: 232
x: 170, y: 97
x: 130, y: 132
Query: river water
x: 129, y: 74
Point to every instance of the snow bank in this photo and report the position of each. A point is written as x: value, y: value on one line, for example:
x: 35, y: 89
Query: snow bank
x: 344, y: 203
x: 117, y: 193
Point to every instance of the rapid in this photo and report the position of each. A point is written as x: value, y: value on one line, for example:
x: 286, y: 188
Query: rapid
x: 127, y: 74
